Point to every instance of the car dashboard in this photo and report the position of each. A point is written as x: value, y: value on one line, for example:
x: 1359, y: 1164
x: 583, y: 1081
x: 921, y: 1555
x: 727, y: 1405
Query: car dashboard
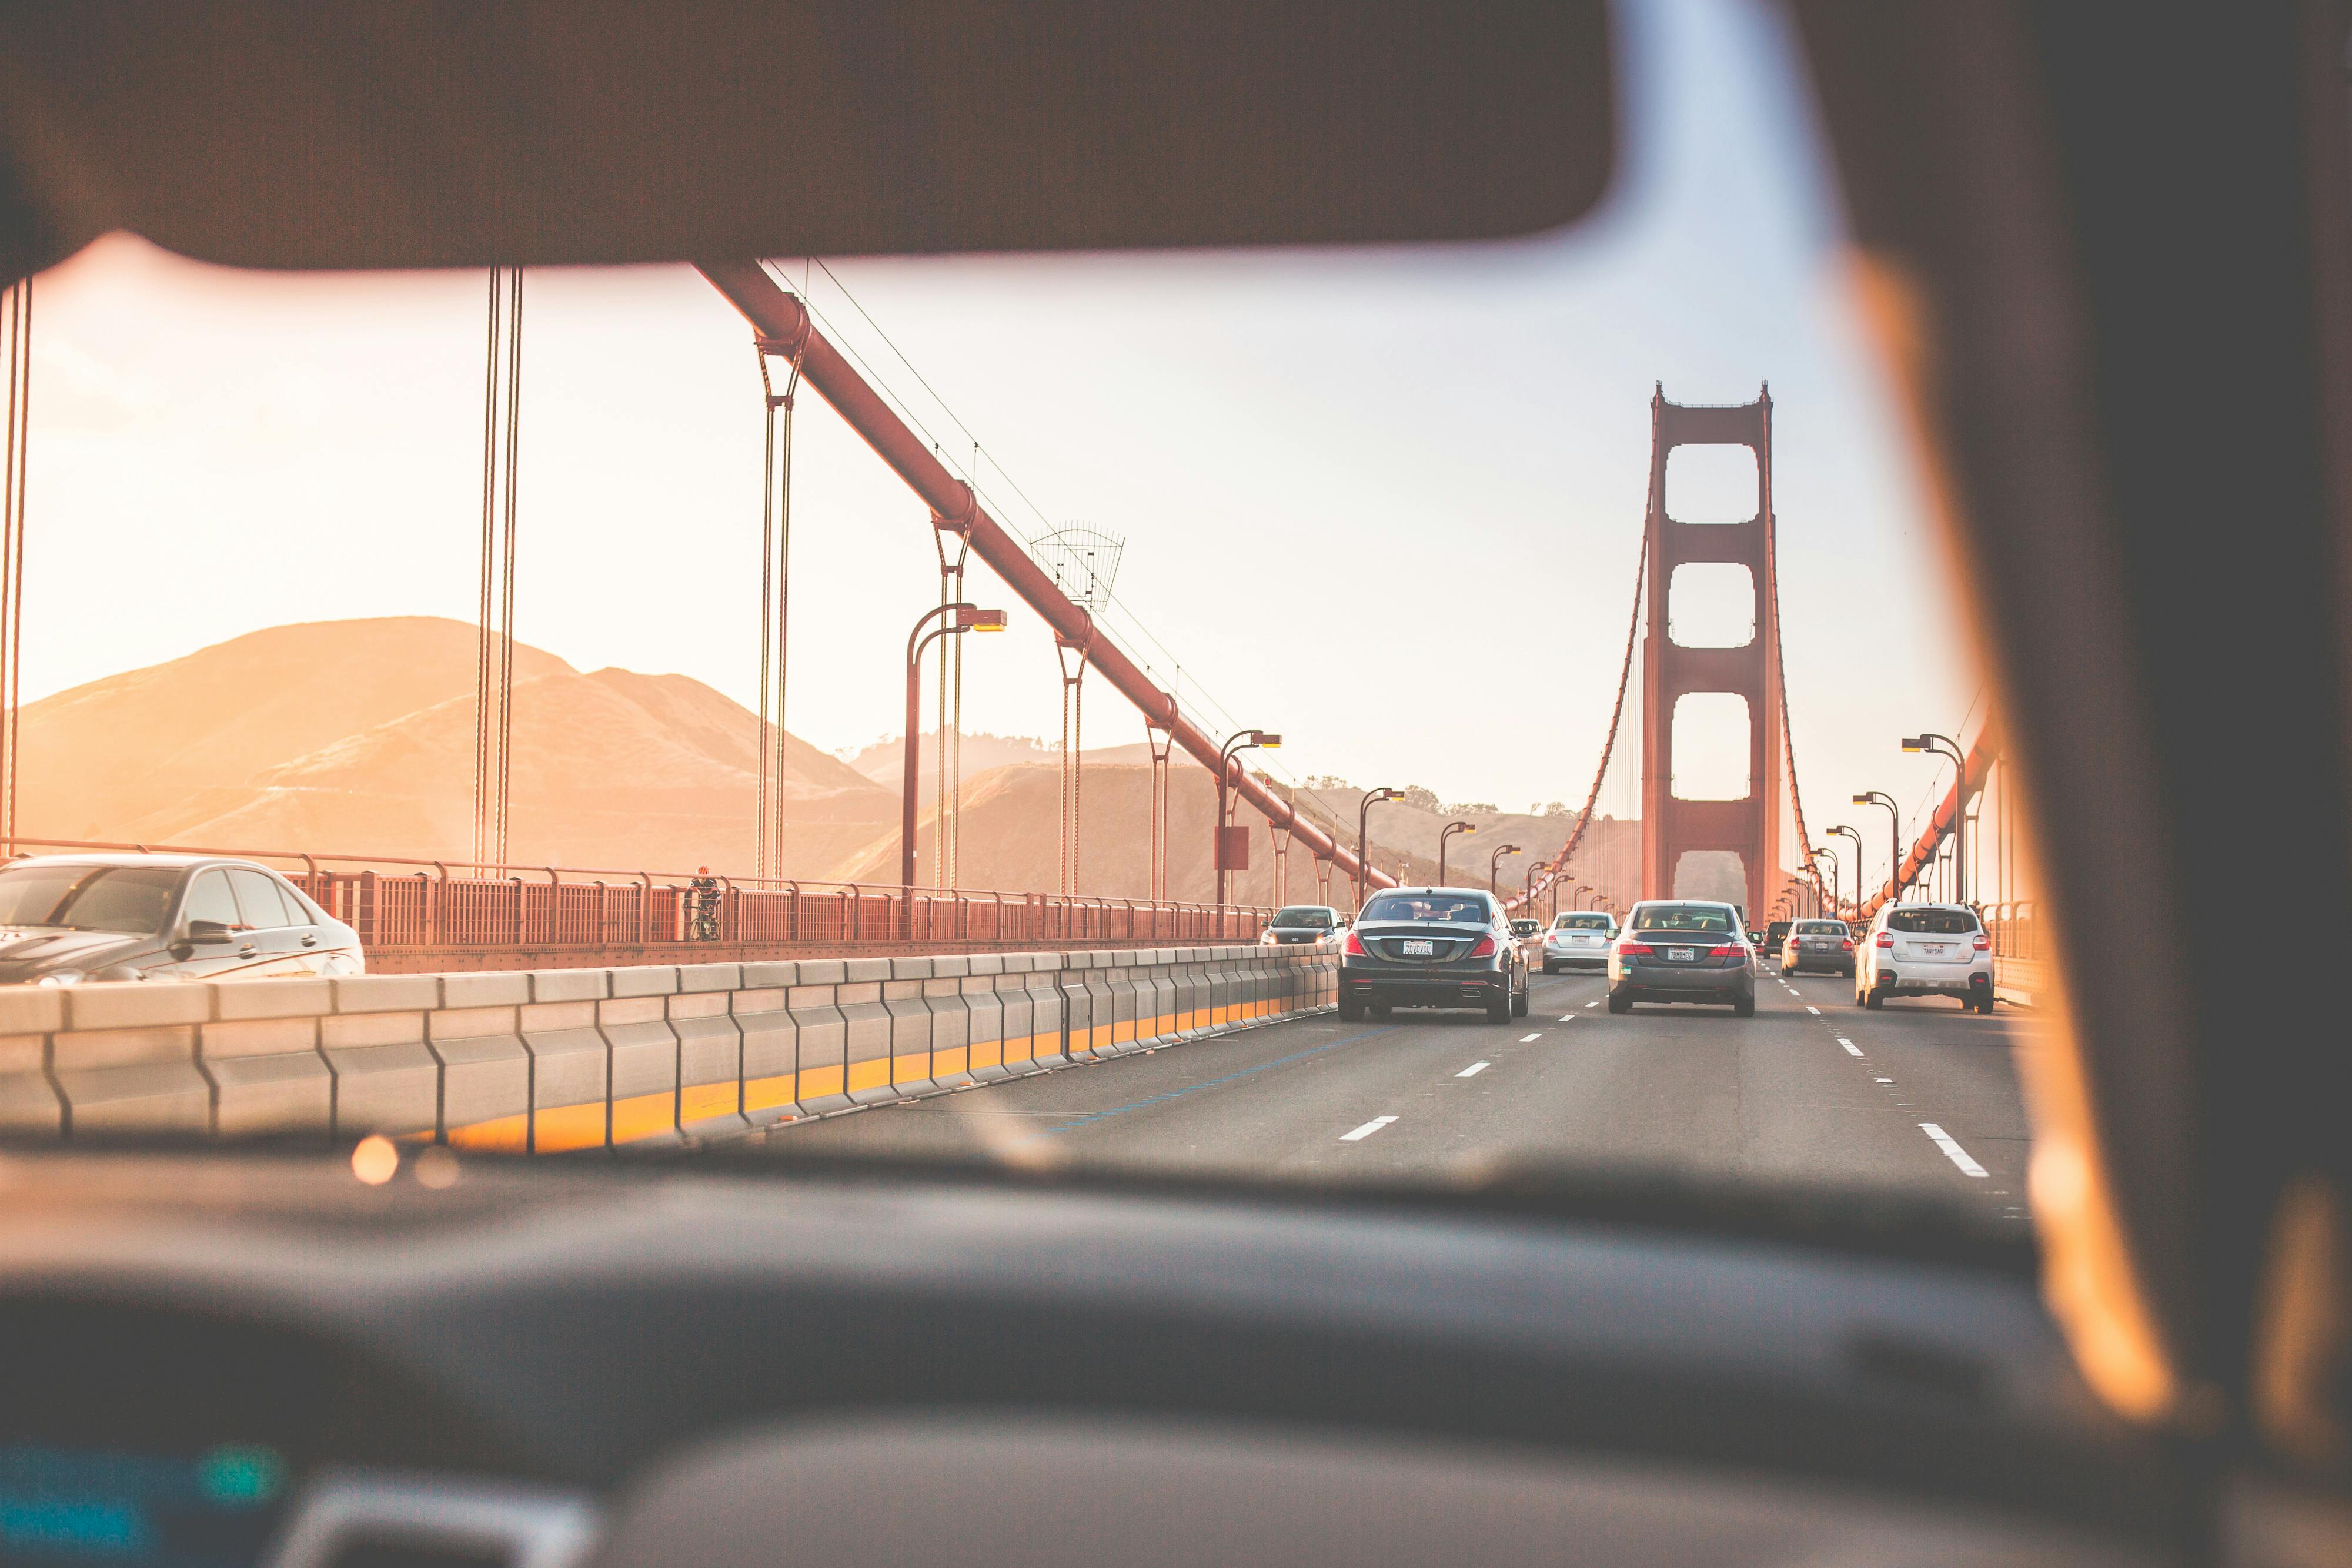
x: 234, y: 1358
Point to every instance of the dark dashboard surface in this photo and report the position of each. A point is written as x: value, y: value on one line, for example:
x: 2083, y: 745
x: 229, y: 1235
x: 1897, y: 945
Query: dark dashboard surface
x: 574, y: 1324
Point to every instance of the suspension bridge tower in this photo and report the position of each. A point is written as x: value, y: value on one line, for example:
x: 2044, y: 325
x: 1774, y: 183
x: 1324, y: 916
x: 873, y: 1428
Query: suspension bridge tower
x: 1671, y: 826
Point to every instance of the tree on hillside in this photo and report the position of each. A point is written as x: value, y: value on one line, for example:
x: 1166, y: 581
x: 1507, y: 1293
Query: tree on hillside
x: 1422, y: 799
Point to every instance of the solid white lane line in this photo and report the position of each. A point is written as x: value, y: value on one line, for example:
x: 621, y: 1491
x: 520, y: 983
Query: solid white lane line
x: 1851, y: 1049
x: 1475, y: 1068
x: 1812, y: 1009
x: 1951, y: 1147
x: 1367, y: 1129
x: 1524, y: 1038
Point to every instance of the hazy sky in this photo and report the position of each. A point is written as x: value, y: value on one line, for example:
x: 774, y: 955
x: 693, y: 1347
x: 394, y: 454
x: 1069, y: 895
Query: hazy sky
x: 1344, y: 477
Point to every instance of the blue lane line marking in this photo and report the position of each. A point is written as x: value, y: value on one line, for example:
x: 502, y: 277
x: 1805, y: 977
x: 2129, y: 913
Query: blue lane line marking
x: 1087, y: 1118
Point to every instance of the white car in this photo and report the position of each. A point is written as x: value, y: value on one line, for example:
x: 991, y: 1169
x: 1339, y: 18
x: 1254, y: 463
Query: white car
x: 1578, y: 941
x: 1925, y: 950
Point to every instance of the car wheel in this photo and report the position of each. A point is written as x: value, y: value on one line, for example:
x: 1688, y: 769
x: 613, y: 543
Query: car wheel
x: 1743, y: 1007
x: 1875, y: 999
x: 1985, y: 1005
x: 1351, y: 1011
x: 1548, y: 969
x: 1381, y: 1009
x: 1620, y: 1004
x: 1519, y: 1005
x: 1500, y: 1009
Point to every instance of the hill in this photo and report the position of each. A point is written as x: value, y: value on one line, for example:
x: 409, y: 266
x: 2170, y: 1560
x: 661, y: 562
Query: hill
x: 357, y: 738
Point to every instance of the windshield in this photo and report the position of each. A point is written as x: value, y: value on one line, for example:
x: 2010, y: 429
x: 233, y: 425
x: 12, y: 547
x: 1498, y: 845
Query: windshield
x: 132, y: 900
x: 1682, y: 917
x: 1426, y: 907
x: 1931, y: 922
x: 753, y: 870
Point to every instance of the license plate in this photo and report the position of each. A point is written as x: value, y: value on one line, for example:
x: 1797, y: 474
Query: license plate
x: 1935, y: 949
x: 1414, y: 948
x: 1681, y: 954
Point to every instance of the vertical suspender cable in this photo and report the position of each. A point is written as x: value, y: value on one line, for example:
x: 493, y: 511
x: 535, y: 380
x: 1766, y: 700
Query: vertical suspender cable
x: 484, y: 603
x: 18, y: 319
x: 775, y: 608
x: 494, y: 658
x: 506, y: 617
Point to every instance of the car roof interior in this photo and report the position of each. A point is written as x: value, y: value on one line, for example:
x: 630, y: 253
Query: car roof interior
x: 2108, y: 260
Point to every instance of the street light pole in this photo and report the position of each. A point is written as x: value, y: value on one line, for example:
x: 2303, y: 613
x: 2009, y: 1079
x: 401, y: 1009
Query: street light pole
x: 961, y: 618
x: 1945, y: 745
x: 1842, y: 832
x: 1527, y: 891
x: 1363, y: 859
x: 1444, y: 833
x: 1820, y: 850
x: 1241, y: 740
x: 1495, y: 861
x: 1893, y: 839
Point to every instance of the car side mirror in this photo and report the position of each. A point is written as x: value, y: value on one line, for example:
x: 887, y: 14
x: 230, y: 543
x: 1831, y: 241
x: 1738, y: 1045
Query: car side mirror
x: 206, y: 932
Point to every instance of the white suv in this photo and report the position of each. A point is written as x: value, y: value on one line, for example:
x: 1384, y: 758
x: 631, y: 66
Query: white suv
x: 1925, y: 950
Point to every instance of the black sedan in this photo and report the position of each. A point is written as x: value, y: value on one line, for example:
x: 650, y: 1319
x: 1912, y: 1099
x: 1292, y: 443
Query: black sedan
x: 1433, y: 947
x: 66, y: 919
x: 1683, y: 950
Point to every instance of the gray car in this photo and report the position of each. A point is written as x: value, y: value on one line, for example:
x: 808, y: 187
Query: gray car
x: 1300, y: 924
x: 1683, y: 950
x: 68, y: 919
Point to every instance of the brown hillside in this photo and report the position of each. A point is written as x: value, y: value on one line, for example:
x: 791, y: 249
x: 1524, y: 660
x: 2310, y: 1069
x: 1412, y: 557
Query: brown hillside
x: 101, y: 755
x: 612, y: 770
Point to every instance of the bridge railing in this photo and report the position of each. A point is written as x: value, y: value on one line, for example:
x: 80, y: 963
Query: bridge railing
x: 531, y: 915
x: 2016, y: 930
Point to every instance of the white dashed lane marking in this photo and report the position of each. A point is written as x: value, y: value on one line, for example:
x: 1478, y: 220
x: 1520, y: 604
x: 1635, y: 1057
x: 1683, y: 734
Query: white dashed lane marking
x: 1812, y: 1009
x: 1524, y: 1038
x: 1851, y: 1049
x: 1475, y: 1068
x: 1951, y: 1147
x: 1367, y: 1129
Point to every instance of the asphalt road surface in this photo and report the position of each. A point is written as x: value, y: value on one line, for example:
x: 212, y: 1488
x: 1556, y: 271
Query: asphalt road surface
x: 1919, y: 1095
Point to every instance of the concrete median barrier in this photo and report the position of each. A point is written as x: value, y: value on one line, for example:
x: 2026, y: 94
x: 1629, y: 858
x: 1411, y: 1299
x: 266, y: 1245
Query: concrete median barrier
x: 709, y: 1051
x: 387, y: 1078
x: 126, y: 1060
x: 771, y: 1042
x: 29, y: 1100
x: 570, y: 1069
x: 643, y: 1050
x: 910, y: 1024
x: 476, y: 1035
x: 558, y: 1060
x: 260, y: 1051
x: 985, y: 1016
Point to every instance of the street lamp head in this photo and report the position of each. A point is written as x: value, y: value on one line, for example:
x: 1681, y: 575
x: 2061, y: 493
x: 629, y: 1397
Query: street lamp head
x: 1915, y: 743
x: 1862, y: 800
x: 1266, y: 740
x: 969, y: 620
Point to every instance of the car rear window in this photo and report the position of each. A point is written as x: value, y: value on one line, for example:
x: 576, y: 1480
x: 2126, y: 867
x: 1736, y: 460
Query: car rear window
x: 1581, y: 923
x: 1931, y: 922
x: 1421, y: 906
x: 1682, y: 917
x: 1821, y: 928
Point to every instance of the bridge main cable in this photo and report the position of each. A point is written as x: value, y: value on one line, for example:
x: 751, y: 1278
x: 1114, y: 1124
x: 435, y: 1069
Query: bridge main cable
x: 783, y: 322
